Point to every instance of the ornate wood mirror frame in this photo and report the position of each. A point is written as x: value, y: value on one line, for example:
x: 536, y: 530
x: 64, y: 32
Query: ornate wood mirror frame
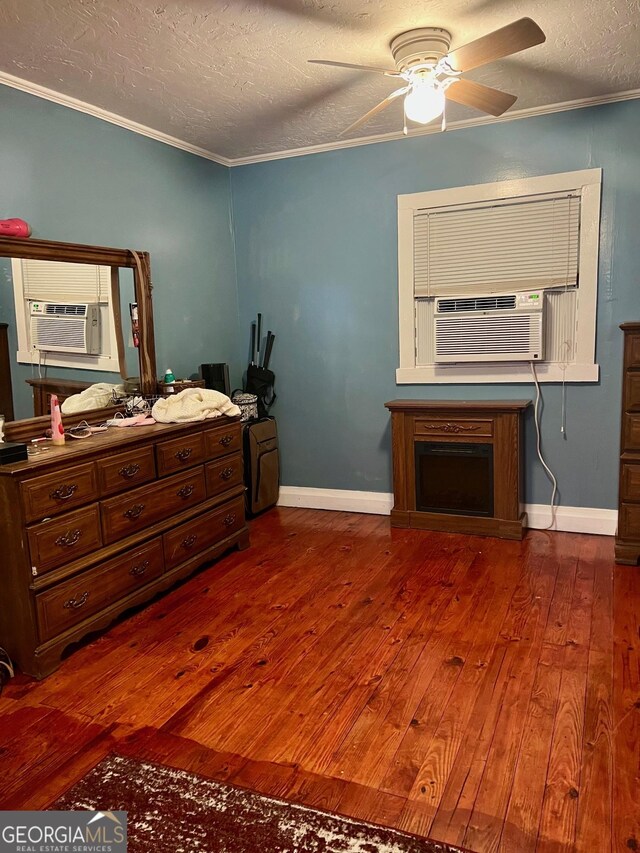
x: 77, y: 253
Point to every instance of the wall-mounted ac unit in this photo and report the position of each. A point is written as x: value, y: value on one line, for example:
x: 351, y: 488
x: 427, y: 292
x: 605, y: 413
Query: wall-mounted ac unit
x: 65, y: 327
x: 492, y: 327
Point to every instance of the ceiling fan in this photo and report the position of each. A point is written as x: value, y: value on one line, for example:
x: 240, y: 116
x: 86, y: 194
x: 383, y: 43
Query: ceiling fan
x: 432, y: 73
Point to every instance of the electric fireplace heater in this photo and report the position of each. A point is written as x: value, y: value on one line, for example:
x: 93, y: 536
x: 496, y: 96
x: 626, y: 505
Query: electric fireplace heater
x: 457, y: 466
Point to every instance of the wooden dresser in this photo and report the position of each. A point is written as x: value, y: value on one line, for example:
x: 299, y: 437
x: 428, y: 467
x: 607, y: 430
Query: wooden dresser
x: 100, y: 525
x: 628, y: 533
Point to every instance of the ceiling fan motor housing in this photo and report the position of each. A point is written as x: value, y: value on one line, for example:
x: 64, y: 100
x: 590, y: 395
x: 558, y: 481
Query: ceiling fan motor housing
x: 424, y: 46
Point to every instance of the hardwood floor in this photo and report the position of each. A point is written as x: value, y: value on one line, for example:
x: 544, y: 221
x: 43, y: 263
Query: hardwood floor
x: 479, y: 691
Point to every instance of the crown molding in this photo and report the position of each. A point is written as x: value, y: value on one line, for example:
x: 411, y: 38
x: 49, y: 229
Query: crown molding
x: 159, y: 136
x: 97, y: 112
x: 512, y: 115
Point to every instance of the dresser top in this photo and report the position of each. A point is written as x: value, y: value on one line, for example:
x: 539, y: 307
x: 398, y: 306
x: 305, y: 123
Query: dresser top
x: 457, y: 405
x: 116, y: 438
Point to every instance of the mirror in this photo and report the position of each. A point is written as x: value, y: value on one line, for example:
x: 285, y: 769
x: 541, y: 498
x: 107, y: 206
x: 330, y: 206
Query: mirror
x: 65, y: 332
x: 71, y: 317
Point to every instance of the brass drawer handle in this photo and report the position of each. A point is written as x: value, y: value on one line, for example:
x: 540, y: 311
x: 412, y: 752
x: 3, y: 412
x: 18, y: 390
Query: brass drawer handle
x: 226, y: 440
x: 136, y: 571
x: 129, y: 471
x: 229, y: 519
x: 75, y: 603
x: 68, y: 540
x: 189, y: 542
x: 184, y: 454
x: 226, y: 473
x: 64, y: 492
x: 134, y: 512
x: 185, y: 492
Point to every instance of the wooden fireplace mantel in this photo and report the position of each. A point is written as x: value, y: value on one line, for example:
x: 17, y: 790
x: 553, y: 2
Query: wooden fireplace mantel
x: 497, y: 423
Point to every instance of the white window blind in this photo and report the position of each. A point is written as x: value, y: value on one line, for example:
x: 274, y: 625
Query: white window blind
x: 497, y: 246
x: 56, y: 281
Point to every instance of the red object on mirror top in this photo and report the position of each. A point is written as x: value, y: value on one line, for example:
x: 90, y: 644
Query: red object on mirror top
x: 14, y: 228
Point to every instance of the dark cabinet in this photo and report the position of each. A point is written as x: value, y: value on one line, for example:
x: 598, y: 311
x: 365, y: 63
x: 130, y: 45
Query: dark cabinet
x: 628, y: 533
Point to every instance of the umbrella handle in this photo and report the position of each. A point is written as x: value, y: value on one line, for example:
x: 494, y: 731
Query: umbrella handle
x: 259, y: 338
x: 267, y: 354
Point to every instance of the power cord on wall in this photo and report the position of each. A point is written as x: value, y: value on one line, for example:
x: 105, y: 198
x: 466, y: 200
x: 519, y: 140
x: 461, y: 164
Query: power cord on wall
x: 550, y: 474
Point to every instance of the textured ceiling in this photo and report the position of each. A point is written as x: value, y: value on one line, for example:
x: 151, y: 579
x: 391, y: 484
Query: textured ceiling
x: 231, y: 77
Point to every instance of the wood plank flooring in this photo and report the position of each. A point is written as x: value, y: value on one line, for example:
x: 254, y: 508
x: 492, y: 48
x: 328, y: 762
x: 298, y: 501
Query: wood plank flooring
x: 478, y: 691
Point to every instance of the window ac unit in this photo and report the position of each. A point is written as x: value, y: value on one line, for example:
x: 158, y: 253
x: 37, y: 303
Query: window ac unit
x: 494, y: 327
x: 65, y: 327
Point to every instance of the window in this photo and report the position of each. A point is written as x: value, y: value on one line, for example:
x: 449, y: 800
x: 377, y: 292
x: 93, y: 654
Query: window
x: 502, y: 238
x: 57, y: 281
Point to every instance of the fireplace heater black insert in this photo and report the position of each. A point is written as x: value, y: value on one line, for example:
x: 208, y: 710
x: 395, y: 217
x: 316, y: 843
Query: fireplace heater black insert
x: 454, y: 478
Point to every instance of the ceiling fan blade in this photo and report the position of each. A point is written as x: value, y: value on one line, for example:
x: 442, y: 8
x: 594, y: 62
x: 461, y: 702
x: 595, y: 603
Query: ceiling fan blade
x: 503, y: 42
x: 387, y: 71
x: 377, y: 109
x: 479, y: 96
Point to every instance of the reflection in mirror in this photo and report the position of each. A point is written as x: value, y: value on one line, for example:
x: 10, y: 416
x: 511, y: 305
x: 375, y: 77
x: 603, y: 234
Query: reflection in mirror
x: 68, y: 327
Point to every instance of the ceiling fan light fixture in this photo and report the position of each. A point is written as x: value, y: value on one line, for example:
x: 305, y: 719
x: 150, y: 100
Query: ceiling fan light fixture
x: 432, y: 72
x: 424, y: 103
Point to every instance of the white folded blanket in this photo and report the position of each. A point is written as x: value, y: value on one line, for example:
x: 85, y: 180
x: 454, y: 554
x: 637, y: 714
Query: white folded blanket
x: 96, y: 396
x: 193, y: 404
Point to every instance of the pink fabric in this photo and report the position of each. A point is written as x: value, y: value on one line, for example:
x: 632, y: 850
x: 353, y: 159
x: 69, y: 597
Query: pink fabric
x: 14, y: 228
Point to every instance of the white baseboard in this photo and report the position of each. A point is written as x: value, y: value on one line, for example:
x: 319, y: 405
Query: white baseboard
x: 570, y: 519
x: 574, y: 519
x: 340, y: 500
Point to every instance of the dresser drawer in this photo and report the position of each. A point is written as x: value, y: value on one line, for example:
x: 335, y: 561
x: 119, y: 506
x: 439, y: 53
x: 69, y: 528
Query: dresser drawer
x: 224, y: 474
x: 631, y: 431
x: 125, y: 470
x: 632, y: 391
x: 179, y: 453
x: 202, y: 532
x: 630, y: 482
x: 632, y: 349
x: 629, y: 521
x: 55, y: 493
x: 223, y: 440
x: 73, y: 600
x: 141, y: 507
x: 63, y: 540
x: 468, y: 427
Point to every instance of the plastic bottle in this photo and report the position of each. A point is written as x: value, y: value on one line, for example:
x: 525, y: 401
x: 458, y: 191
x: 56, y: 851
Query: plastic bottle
x: 57, y: 429
x: 169, y: 379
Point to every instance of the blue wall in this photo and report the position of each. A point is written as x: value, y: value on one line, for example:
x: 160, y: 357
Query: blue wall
x: 316, y: 252
x: 76, y: 178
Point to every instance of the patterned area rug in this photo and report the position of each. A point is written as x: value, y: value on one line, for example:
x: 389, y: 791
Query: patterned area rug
x: 171, y: 811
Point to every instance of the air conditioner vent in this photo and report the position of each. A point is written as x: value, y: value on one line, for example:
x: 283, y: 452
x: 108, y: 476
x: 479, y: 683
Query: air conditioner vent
x: 53, y: 337
x: 66, y: 310
x: 477, y: 303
